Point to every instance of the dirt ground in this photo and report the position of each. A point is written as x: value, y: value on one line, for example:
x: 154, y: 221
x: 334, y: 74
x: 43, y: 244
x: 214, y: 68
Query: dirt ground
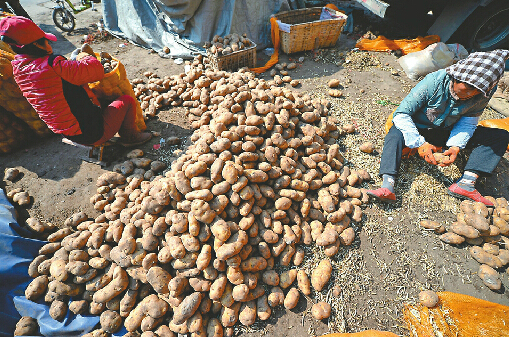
x: 392, y: 258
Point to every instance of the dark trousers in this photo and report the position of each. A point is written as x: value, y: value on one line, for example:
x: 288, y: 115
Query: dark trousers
x: 489, y: 145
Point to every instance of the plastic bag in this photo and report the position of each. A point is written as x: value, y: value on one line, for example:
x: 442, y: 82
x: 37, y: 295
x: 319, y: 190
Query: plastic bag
x: 116, y: 84
x: 382, y: 43
x: 502, y: 123
x: 434, y: 57
x: 459, y: 51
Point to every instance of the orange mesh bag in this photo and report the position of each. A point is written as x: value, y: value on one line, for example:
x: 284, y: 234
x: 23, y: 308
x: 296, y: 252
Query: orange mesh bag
x: 366, y: 333
x: 406, y: 46
x: 457, y: 315
x: 502, y: 123
x: 115, y: 84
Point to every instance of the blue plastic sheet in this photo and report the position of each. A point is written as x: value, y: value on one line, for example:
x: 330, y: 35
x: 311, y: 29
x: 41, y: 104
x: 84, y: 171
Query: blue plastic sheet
x: 16, y: 253
x: 184, y: 25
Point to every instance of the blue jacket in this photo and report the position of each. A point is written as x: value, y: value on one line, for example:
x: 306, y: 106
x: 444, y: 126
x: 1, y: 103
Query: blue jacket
x: 431, y: 105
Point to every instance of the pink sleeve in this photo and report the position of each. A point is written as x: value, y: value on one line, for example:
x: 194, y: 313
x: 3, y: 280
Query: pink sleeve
x: 87, y: 70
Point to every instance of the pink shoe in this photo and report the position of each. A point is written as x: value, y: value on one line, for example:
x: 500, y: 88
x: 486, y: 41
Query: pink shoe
x: 383, y: 194
x: 461, y: 193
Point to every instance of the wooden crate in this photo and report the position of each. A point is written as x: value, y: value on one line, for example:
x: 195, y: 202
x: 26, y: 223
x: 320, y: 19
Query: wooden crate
x: 307, y: 31
x: 238, y: 59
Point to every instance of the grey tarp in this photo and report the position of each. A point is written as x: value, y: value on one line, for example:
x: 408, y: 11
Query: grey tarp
x: 184, y: 25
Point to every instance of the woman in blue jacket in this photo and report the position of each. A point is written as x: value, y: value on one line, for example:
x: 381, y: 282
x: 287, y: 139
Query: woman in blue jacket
x: 442, y: 111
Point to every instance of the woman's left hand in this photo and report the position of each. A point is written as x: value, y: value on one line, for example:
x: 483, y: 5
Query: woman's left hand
x: 452, y: 152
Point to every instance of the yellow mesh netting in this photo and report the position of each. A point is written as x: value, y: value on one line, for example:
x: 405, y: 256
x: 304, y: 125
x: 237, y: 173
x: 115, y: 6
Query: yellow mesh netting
x: 366, y: 333
x: 457, y: 315
x: 382, y: 43
x: 115, y: 84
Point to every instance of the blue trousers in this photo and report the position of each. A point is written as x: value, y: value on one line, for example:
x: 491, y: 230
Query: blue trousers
x: 489, y: 145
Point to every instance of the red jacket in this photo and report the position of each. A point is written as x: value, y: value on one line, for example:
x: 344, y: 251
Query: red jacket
x: 56, y: 88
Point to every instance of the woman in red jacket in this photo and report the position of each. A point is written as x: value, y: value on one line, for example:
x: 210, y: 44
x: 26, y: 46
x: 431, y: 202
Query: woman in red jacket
x: 57, y: 89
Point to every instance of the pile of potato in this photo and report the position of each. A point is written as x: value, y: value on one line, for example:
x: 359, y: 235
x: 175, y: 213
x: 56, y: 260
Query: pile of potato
x: 486, y: 230
x: 196, y: 90
x: 218, y: 239
x: 228, y: 44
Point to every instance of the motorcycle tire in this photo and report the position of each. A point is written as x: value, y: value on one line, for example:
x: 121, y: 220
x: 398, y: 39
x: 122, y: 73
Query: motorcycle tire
x: 64, y: 19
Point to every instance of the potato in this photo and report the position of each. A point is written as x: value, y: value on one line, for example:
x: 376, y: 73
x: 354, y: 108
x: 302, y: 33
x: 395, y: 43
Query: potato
x: 247, y: 315
x: 287, y: 277
x: 367, y: 147
x: 117, y: 285
x: 270, y: 277
x: 452, y: 238
x: 333, y: 83
x: 477, y: 221
x: 303, y: 282
x: 428, y: 298
x: 214, y: 328
x: 276, y: 297
x: 485, y: 258
x: 230, y: 315
x: 37, y: 287
x: 187, y: 308
x: 240, y: 292
x: 490, y: 277
x: 291, y: 298
x: 35, y: 225
x: 26, y: 326
x: 321, y: 275
x: 22, y: 198
x: 158, y: 278
x: 58, y: 310
x: 110, y: 178
x: 465, y: 230
x: 110, y: 321
x: 321, y: 310
x: 218, y: 287
x: 503, y: 256
x: 75, y: 219
x: 11, y: 173
x: 347, y: 237
x: 434, y: 225
x: 335, y: 93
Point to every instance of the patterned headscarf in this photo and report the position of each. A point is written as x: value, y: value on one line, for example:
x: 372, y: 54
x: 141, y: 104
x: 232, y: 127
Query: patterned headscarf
x: 481, y: 70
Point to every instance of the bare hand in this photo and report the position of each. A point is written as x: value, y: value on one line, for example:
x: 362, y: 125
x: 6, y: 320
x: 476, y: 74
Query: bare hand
x: 452, y: 152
